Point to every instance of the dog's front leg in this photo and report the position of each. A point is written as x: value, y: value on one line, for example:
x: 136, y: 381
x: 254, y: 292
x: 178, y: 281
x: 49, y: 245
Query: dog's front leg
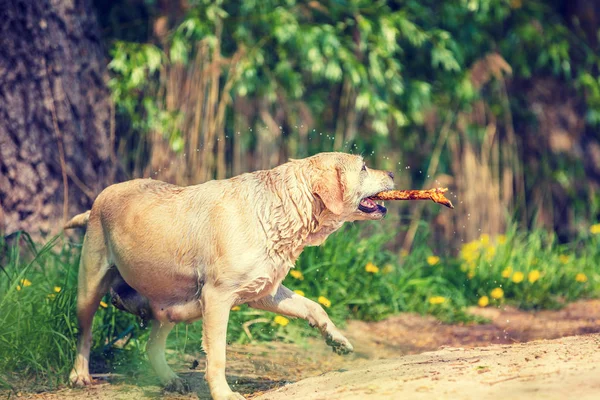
x: 289, y: 303
x: 215, y: 315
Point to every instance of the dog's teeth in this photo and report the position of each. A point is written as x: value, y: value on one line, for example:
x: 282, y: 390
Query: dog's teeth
x: 383, y: 204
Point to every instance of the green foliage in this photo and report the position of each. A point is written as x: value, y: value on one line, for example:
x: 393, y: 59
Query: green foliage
x: 363, y: 281
x: 398, y: 57
x: 296, y: 49
x: 533, y: 270
x: 36, y: 331
x: 372, y: 72
x: 136, y: 68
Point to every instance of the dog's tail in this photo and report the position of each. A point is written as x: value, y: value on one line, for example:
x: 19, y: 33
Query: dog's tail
x: 78, y: 221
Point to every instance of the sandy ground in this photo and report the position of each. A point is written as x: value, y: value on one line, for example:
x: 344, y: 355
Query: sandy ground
x: 567, y: 368
x: 406, y: 356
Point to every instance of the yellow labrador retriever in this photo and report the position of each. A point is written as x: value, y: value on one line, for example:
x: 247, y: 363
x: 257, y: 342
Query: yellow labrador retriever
x: 177, y: 254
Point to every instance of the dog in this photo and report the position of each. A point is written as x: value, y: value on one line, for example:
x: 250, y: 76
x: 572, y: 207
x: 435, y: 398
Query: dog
x: 178, y: 254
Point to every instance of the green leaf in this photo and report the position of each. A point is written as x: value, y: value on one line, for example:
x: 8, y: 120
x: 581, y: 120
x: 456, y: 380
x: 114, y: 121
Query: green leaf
x: 153, y: 57
x: 333, y: 72
x: 179, y: 51
x: 138, y: 75
x: 441, y: 56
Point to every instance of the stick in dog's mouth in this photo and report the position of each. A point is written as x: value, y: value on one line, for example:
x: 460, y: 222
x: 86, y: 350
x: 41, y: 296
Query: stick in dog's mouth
x: 436, y: 195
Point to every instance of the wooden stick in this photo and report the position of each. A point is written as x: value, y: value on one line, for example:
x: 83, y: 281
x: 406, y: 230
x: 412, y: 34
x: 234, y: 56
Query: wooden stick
x: 437, y: 195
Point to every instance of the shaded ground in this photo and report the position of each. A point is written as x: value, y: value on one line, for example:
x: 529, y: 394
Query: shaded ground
x: 255, y: 369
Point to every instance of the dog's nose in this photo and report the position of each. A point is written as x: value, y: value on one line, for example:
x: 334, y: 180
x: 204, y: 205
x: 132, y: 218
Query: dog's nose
x: 390, y: 174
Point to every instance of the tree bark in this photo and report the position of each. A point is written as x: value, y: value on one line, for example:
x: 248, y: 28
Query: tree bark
x: 56, y: 152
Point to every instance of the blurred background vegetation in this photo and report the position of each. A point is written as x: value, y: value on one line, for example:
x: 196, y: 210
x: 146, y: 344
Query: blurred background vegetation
x: 497, y: 99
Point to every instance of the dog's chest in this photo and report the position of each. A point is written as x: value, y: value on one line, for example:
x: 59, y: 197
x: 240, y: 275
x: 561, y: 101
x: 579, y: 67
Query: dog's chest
x: 264, y: 283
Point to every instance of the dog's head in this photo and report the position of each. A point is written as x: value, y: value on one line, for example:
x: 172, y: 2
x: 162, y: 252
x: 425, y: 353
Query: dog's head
x: 344, y: 184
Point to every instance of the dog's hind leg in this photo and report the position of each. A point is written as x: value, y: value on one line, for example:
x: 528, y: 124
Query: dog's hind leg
x: 292, y: 304
x: 94, y: 279
x: 156, y: 355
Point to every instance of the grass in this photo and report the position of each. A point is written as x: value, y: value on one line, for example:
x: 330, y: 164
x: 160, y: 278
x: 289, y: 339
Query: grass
x: 531, y: 271
x: 35, y: 331
x: 351, y: 275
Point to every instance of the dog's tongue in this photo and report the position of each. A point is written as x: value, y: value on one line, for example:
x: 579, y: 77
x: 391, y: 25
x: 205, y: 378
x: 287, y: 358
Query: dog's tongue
x: 368, y: 203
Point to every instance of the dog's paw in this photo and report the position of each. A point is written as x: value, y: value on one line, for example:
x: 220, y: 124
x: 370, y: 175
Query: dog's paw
x: 339, y: 343
x: 177, y: 385
x: 80, y: 380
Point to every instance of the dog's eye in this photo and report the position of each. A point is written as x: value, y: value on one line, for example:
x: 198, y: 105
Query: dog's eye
x: 364, y: 167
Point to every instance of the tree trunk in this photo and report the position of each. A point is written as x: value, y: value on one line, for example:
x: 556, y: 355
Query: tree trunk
x: 56, y: 150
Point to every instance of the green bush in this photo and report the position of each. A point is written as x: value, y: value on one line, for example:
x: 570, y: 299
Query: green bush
x: 532, y: 270
x: 353, y: 277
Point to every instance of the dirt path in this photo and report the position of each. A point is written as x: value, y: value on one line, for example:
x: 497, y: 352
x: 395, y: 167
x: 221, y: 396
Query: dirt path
x: 566, y: 368
x: 258, y: 369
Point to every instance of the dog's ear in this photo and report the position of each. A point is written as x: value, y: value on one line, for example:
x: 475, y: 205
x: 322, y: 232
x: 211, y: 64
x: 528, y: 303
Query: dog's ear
x: 328, y: 186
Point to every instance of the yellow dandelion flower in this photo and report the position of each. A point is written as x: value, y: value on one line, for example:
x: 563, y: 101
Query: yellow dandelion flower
x: 533, y: 276
x: 437, y: 300
x: 57, y: 289
x: 372, y: 268
x: 484, y: 239
x: 387, y: 268
x: 581, y: 277
x: 595, y: 229
x: 25, y: 282
x: 490, y: 252
x: 281, y: 320
x: 518, y: 277
x: 297, y: 274
x: 471, y: 274
x: 324, y: 300
x: 403, y: 253
x: 501, y: 239
x: 299, y: 292
x: 483, y: 301
x: 507, y: 272
x: 564, y: 259
x: 236, y: 308
x: 103, y: 304
x: 497, y: 293
x: 470, y: 252
x: 433, y: 260
x: 18, y: 287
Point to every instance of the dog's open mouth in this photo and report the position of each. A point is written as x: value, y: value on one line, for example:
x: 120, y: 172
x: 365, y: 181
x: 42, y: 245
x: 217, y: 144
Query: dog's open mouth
x: 369, y: 206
